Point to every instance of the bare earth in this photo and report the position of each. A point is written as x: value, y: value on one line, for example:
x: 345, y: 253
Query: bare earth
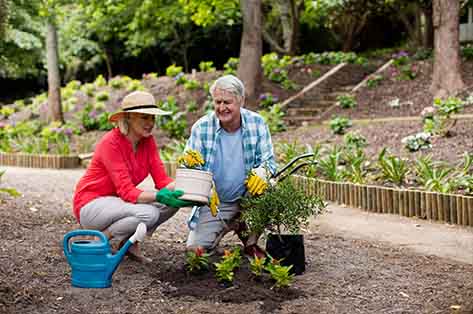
x: 357, y: 262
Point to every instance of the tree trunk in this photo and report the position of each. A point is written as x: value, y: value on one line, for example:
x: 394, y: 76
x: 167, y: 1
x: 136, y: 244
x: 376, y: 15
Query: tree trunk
x: 287, y: 9
x: 428, y: 40
x: 446, y: 77
x: 54, y: 80
x: 249, y: 67
x: 108, y: 62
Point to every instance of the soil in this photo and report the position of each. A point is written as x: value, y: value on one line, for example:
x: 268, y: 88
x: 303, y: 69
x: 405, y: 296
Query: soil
x: 344, y: 273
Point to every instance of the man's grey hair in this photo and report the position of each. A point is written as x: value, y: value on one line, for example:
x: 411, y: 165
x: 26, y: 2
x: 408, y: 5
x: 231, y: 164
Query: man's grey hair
x: 123, y: 125
x: 230, y: 83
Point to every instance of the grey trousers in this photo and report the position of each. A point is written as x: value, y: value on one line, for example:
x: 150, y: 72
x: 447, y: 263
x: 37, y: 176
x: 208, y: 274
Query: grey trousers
x: 121, y: 218
x: 209, y: 229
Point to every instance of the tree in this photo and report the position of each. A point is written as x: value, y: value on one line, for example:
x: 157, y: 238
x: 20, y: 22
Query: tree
x: 446, y: 77
x: 3, y: 17
x: 52, y: 56
x: 249, y: 67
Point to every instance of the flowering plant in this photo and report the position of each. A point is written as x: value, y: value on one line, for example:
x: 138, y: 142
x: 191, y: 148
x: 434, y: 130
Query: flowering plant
x: 230, y: 261
x: 197, y: 260
x: 191, y: 159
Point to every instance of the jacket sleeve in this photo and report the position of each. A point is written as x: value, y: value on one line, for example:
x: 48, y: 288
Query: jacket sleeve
x: 114, y: 162
x: 156, y: 166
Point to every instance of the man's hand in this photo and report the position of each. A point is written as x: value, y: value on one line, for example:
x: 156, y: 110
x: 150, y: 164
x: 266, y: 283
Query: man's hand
x: 171, y: 198
x: 256, y: 183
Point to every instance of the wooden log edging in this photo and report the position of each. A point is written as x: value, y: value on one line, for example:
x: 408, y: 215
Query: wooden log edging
x: 449, y: 208
x: 39, y: 160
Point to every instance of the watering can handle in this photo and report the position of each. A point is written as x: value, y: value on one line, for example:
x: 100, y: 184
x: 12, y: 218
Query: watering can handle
x: 82, y: 232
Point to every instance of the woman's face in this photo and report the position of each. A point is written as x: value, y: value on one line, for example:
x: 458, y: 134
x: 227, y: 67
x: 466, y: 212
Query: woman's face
x: 140, y: 124
x: 227, y: 107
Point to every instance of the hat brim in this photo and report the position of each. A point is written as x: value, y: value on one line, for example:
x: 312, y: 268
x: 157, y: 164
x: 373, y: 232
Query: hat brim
x: 153, y: 111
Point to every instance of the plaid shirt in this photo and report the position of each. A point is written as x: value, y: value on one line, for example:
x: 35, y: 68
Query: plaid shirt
x: 257, y: 146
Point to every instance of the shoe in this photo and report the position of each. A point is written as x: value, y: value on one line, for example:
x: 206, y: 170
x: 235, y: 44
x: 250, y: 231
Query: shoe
x: 254, y: 250
x: 134, y: 253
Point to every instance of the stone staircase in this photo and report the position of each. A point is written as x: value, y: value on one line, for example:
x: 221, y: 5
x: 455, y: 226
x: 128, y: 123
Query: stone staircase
x: 308, y: 108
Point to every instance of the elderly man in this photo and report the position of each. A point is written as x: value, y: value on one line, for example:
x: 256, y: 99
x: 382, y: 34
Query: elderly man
x: 233, y: 141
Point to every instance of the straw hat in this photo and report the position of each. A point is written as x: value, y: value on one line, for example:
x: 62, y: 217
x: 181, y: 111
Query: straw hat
x: 139, y: 101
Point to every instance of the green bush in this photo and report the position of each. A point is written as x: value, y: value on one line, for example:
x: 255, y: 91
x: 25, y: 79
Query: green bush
x: 416, y: 142
x: 393, y: 169
x: 354, y: 140
x: 230, y: 67
x: 338, y: 125
x: 373, y: 80
x: 346, y: 101
x: 274, y: 118
x: 191, y: 84
x: 173, y: 70
x: 206, y: 66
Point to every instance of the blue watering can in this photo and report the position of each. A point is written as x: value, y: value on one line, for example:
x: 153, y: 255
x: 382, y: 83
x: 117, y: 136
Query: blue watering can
x: 92, y: 261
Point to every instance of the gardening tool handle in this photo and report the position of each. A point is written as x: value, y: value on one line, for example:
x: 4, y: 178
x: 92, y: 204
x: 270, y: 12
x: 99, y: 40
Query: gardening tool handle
x: 303, y: 164
x: 290, y: 163
x: 81, y: 232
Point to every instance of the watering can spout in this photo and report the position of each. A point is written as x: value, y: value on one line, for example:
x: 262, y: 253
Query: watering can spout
x: 139, y: 236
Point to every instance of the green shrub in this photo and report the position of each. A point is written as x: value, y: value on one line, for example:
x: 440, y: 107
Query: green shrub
x: 280, y: 274
x: 174, y: 124
x: 173, y: 70
x: 283, y: 206
x: 206, y: 66
x: 373, y: 80
x: 355, y: 170
x: 274, y: 118
x: 435, y: 176
x: 354, y: 140
x: 393, y: 169
x: 338, y: 125
x: 116, y: 83
x: 191, y: 84
x: 100, y: 81
x: 467, y: 52
x: 266, y: 100
x: 230, y: 67
x: 329, y: 165
x: 416, y: 142
x: 102, y: 96
x: 346, y: 101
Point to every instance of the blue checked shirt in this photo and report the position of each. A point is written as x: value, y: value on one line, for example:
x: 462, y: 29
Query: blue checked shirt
x: 257, y: 146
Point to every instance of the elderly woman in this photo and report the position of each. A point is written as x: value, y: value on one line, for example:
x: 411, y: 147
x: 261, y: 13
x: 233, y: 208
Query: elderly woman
x: 106, y: 197
x: 233, y: 141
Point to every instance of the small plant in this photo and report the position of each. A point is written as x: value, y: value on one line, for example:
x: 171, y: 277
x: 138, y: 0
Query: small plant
x: 225, y: 269
x: 394, y: 103
x: 354, y: 140
x: 231, y: 66
x: 173, y: 70
x: 282, y: 206
x: 149, y: 76
x: 102, y: 96
x: 100, y: 81
x: 206, y: 66
x: 373, y: 80
x: 175, y: 124
x: 393, y: 169
x: 274, y: 118
x: 435, y: 176
x: 192, y: 106
x: 266, y: 100
x: 10, y: 191
x: 116, y: 83
x: 197, y: 260
x: 257, y: 265
x: 191, y: 84
x: 280, y: 274
x: 338, y: 125
x: 180, y: 78
x: 355, y: 170
x: 134, y: 85
x: 438, y: 119
x: 329, y: 165
x: 346, y: 101
x: 417, y: 141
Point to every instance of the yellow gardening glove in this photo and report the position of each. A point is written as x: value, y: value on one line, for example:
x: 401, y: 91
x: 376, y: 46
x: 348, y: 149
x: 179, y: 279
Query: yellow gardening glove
x: 214, y: 201
x: 256, y: 182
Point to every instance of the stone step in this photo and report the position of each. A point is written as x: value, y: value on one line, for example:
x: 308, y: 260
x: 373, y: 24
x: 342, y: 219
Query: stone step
x: 304, y: 111
x: 299, y: 120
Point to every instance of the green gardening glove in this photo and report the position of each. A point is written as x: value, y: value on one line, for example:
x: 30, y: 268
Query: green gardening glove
x: 171, y: 198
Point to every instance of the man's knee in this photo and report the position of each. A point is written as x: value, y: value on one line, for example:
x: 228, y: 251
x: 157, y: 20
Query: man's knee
x: 147, y: 214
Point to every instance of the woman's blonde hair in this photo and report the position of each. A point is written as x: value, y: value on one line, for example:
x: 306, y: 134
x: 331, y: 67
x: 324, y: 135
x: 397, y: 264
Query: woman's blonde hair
x: 122, y: 124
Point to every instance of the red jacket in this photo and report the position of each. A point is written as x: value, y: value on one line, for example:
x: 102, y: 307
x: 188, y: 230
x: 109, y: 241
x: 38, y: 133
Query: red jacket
x: 115, y: 170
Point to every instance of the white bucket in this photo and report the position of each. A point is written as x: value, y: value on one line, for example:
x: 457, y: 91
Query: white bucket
x: 196, y: 184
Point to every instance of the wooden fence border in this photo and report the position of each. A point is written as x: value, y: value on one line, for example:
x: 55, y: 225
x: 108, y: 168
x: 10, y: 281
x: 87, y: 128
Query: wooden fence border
x: 39, y: 160
x: 450, y: 208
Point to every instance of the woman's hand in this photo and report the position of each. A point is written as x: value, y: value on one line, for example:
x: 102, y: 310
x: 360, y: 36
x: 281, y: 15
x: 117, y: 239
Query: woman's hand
x: 171, y: 198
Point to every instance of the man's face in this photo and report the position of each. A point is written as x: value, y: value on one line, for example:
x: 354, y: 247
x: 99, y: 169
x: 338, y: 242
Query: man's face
x: 227, y: 107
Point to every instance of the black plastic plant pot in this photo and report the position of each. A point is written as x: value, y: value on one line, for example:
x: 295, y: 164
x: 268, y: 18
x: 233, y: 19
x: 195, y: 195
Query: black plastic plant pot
x: 289, y: 248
